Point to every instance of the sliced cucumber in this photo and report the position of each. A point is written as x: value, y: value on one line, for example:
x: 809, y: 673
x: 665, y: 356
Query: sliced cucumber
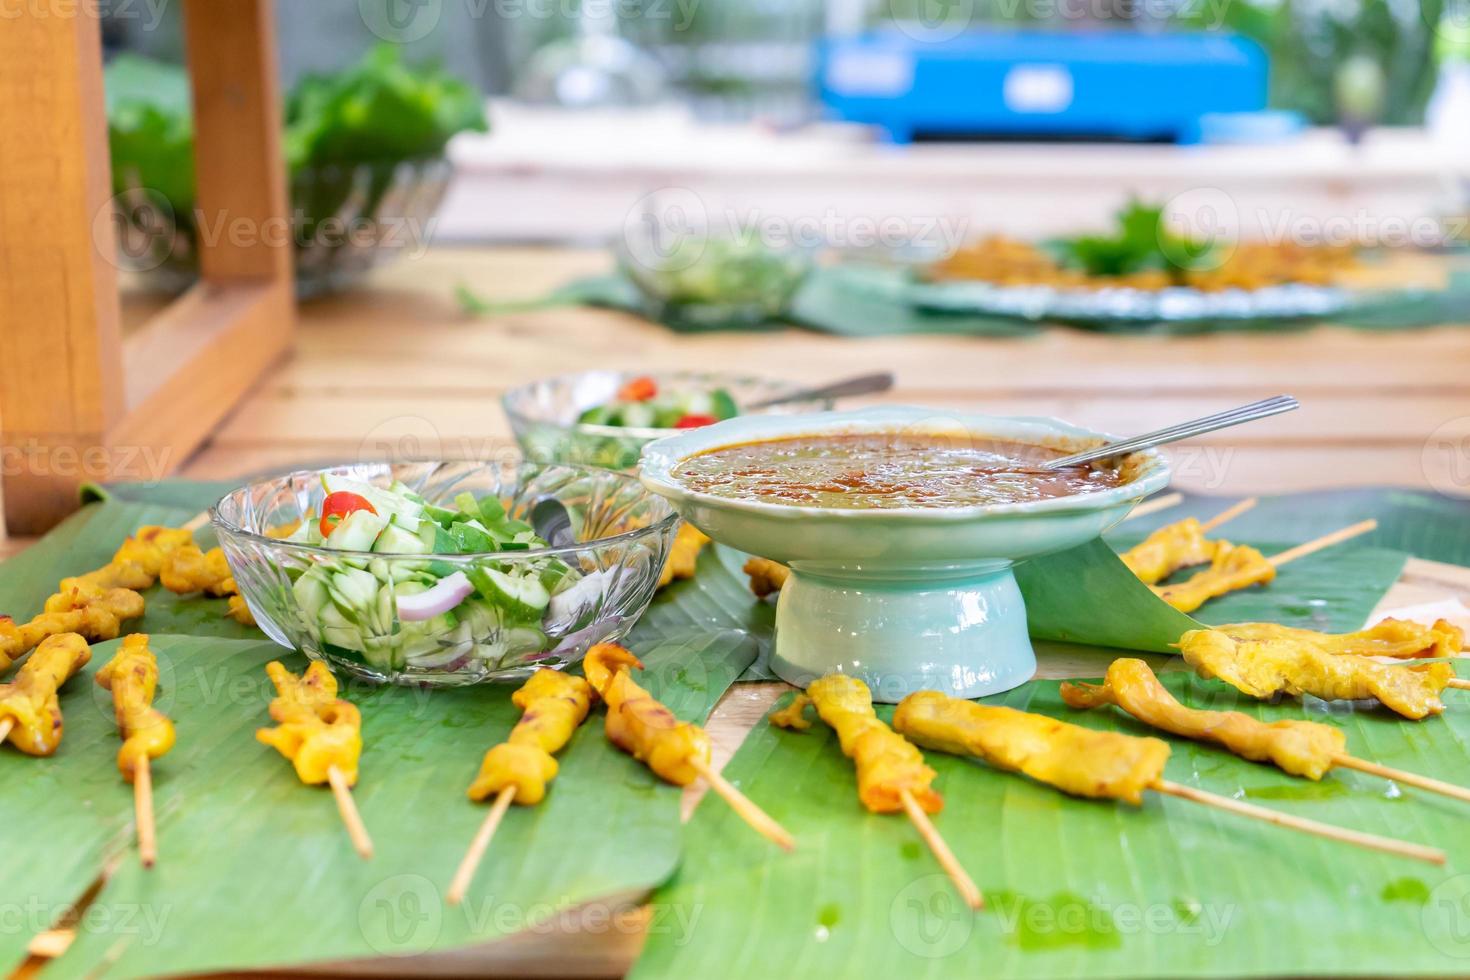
x: 523, y: 639
x: 357, y: 532
x: 443, y: 516
x: 557, y: 576
x: 394, y: 540
x: 311, y: 592
x: 490, y: 508
x: 353, y: 590
x: 471, y: 538
x: 521, y: 597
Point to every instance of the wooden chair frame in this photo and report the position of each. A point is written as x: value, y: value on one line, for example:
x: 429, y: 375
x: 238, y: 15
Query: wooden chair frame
x: 81, y: 400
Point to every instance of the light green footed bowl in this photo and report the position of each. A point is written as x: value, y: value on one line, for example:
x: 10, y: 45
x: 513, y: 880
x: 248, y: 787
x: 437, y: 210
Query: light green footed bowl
x: 907, y: 599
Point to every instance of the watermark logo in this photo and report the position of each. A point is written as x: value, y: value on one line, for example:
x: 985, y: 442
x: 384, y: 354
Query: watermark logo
x: 932, y: 21
x: 928, y: 919
x: 143, y: 923
x: 666, y: 229
x: 410, y: 438
x: 1199, y: 228
x: 400, y: 21
x: 137, y: 228
x: 148, y: 12
x: 401, y: 915
x: 1204, y: 467
x: 1445, y: 917
x: 1452, y: 22
x: 1445, y: 458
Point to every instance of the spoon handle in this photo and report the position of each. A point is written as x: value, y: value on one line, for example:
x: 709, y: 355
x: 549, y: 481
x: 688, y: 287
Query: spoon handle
x: 1184, y: 430
x: 867, y: 384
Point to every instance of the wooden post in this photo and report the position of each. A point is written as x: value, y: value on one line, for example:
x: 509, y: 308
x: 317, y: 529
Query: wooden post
x: 60, y: 342
x: 79, y: 401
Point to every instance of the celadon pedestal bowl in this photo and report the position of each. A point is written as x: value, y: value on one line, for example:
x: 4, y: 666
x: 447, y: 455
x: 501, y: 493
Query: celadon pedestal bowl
x: 907, y: 599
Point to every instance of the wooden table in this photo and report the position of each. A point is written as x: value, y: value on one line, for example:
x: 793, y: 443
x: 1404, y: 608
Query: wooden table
x: 396, y: 367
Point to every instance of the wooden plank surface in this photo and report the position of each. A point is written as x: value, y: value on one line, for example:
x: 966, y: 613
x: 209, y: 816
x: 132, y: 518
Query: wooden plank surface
x: 397, y: 364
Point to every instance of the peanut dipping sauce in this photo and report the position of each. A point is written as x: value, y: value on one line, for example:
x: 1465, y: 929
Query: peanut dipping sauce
x: 888, y: 470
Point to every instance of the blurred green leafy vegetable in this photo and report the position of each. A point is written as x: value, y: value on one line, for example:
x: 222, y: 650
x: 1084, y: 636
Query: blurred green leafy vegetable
x: 1140, y: 242
x: 379, y: 110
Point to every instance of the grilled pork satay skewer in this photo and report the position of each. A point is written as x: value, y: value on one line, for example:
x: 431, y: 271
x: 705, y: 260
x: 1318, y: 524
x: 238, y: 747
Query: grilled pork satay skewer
x: 517, y: 770
x: 1179, y: 545
x: 891, y: 773
x: 132, y: 677
x: 1302, y: 748
x: 1401, y: 639
x: 96, y: 603
x: 1084, y: 762
x: 676, y: 751
x: 137, y: 561
x: 1263, y: 664
x: 189, y: 569
x: 94, y: 612
x: 321, y: 735
x: 1239, y: 566
x: 30, y: 711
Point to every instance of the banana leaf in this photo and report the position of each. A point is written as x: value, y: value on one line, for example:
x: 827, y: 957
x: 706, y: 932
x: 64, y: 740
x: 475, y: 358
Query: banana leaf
x: 256, y: 870
x: 717, y: 597
x: 86, y: 540
x: 1081, y: 887
x: 1425, y: 525
x: 1087, y: 595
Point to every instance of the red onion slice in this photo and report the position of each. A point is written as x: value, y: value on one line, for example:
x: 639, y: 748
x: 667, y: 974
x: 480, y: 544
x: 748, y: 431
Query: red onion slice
x: 448, y: 593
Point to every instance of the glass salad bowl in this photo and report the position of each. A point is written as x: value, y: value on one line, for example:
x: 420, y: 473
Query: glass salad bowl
x: 709, y: 281
x: 430, y: 573
x: 565, y: 419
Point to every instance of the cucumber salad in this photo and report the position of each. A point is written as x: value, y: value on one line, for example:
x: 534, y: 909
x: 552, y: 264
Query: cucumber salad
x: 641, y: 404
x: 432, y: 613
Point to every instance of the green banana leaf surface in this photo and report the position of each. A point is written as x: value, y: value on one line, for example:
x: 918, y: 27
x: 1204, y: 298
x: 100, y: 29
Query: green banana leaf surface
x: 1087, y: 595
x: 1082, y: 887
x: 255, y: 868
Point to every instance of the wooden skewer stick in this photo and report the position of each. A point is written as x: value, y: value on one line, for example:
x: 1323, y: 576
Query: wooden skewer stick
x: 471, y: 862
x: 1326, y: 541
x: 1388, y: 845
x: 759, y: 820
x: 348, y: 808
x: 197, y: 521
x: 1155, y: 505
x: 143, y: 813
x: 5, y: 727
x: 1399, y: 776
x: 1455, y: 682
x: 967, y: 888
x: 1228, y: 514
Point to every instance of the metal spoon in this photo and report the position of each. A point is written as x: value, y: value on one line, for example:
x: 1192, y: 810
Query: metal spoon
x: 867, y: 384
x: 552, y: 523
x: 1184, y: 430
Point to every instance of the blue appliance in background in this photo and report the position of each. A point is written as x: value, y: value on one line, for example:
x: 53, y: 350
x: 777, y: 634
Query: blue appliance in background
x: 1099, y: 84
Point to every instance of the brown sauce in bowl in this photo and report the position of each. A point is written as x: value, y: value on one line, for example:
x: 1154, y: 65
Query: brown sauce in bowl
x: 888, y: 470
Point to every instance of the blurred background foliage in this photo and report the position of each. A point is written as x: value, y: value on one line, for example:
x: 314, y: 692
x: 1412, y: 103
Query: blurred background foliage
x: 738, y: 58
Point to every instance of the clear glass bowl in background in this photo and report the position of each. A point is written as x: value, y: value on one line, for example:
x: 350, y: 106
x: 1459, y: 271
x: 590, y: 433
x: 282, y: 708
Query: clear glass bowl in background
x: 543, y: 415
x: 710, y: 281
x: 345, y: 220
x: 623, y: 534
